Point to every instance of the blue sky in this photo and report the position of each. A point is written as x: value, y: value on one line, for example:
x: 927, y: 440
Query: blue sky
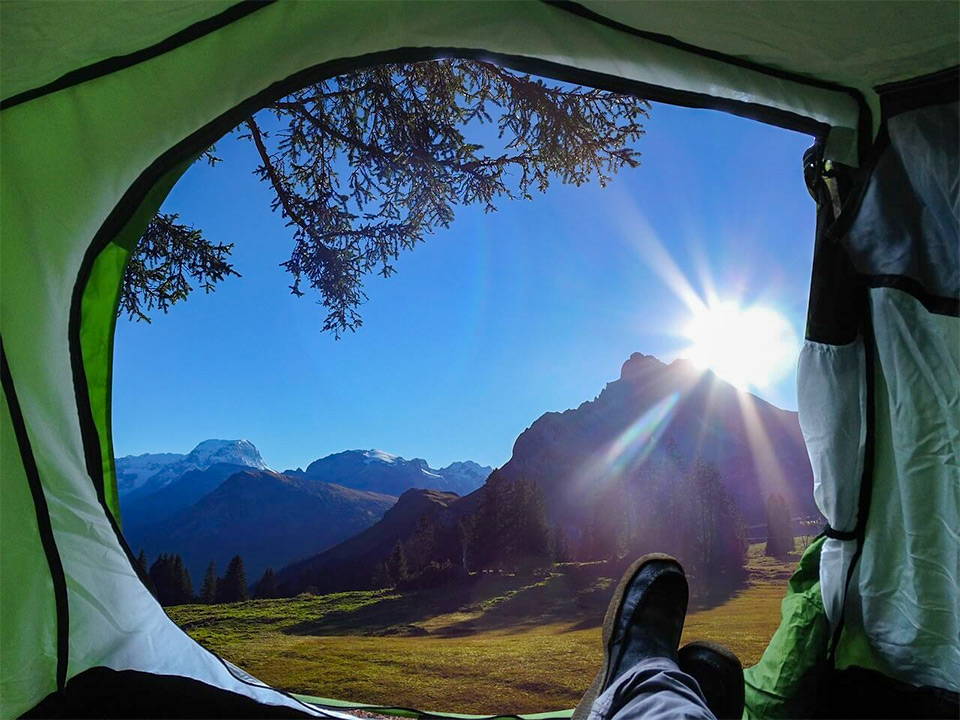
x: 485, y: 326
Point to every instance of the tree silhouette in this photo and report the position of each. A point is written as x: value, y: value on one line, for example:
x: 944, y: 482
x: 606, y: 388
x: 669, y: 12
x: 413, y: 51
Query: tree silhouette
x: 171, y: 580
x: 485, y: 544
x: 559, y: 547
x: 509, y: 531
x: 366, y: 165
x: 779, y: 527
x: 266, y: 586
x: 144, y: 567
x: 233, y: 586
x: 531, y: 547
x: 208, y: 591
x: 396, y: 565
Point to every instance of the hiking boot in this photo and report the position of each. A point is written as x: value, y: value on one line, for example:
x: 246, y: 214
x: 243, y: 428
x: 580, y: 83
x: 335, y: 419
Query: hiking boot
x: 644, y: 620
x: 720, y: 676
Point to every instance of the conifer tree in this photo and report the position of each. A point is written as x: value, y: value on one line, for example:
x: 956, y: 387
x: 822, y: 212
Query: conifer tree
x: 779, y: 527
x: 380, y: 577
x: 160, y: 577
x: 183, y: 586
x: 559, y: 547
x: 529, y: 530
x: 144, y: 566
x: 396, y: 565
x: 171, y: 580
x: 422, y: 547
x: 233, y: 586
x: 266, y: 586
x: 367, y: 165
x: 485, y: 536
x: 208, y: 591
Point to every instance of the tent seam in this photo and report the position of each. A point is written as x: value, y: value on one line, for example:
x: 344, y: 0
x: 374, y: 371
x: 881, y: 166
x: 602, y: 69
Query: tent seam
x: 110, y: 65
x: 936, y: 304
x: 865, y: 121
x: 44, y: 525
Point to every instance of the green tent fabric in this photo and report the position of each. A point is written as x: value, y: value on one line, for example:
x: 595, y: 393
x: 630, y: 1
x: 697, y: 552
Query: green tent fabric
x: 104, y: 104
x: 784, y: 683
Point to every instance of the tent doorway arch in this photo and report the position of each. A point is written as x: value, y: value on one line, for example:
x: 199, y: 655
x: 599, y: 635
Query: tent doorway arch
x: 96, y: 132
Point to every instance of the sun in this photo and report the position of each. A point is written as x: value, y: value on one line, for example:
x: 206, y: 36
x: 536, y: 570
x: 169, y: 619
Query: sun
x: 750, y: 347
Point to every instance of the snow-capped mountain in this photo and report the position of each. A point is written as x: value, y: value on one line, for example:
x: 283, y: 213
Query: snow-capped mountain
x: 382, y: 472
x: 134, y: 470
x: 146, y: 474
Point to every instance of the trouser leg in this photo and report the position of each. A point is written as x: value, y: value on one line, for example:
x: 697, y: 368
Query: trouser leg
x: 652, y: 689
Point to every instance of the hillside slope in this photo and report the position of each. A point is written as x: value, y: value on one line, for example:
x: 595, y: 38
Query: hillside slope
x: 656, y: 419
x: 267, y: 518
x: 351, y: 563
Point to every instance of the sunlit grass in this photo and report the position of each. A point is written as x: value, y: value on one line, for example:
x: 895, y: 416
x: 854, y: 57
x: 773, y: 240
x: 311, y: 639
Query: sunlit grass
x: 507, y: 644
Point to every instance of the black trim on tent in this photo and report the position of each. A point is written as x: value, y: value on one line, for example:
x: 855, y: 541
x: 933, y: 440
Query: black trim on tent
x: 92, y: 453
x: 865, y: 125
x: 110, y: 65
x: 756, y: 111
x: 834, y: 310
x: 865, y: 496
x: 919, y: 92
x: 933, y: 303
x: 857, y: 692
x: 101, y: 692
x: 935, y: 89
x: 44, y: 526
x: 839, y: 534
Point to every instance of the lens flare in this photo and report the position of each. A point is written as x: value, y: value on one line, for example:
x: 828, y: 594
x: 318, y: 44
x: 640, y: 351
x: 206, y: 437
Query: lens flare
x: 638, y: 440
x: 747, y: 347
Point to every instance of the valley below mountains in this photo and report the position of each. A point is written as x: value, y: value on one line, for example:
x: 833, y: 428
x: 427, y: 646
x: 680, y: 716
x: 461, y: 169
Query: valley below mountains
x: 226, y: 502
x: 665, y: 458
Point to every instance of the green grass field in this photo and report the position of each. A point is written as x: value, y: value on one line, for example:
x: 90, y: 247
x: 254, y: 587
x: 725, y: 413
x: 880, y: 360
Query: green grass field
x: 504, y: 644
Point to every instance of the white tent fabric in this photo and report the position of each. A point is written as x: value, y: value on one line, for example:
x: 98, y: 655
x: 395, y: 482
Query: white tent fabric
x: 832, y: 397
x: 905, y: 591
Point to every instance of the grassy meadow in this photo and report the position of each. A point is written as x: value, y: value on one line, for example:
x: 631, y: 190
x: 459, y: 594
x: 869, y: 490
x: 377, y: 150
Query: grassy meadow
x: 502, y: 644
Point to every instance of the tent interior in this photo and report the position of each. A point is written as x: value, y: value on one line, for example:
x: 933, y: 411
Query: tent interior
x: 105, y: 105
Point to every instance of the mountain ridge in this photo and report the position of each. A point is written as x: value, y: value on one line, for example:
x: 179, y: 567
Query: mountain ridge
x: 268, y: 518
x: 607, y: 460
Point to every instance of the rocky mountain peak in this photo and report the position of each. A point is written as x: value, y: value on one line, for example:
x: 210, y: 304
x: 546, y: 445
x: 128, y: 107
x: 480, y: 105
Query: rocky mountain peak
x: 235, y: 452
x: 146, y: 474
x: 639, y: 365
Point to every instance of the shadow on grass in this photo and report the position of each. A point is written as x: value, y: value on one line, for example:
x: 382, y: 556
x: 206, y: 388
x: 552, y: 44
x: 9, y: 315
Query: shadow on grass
x: 391, y: 614
x: 575, y: 594
x: 571, y: 593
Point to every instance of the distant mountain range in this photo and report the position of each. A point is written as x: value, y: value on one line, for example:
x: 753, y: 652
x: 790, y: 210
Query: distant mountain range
x: 382, y: 472
x: 644, y: 429
x: 334, y: 522
x: 220, y: 499
x: 146, y: 474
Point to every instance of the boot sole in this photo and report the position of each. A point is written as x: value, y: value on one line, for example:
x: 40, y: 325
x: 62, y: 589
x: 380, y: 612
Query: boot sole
x: 726, y: 663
